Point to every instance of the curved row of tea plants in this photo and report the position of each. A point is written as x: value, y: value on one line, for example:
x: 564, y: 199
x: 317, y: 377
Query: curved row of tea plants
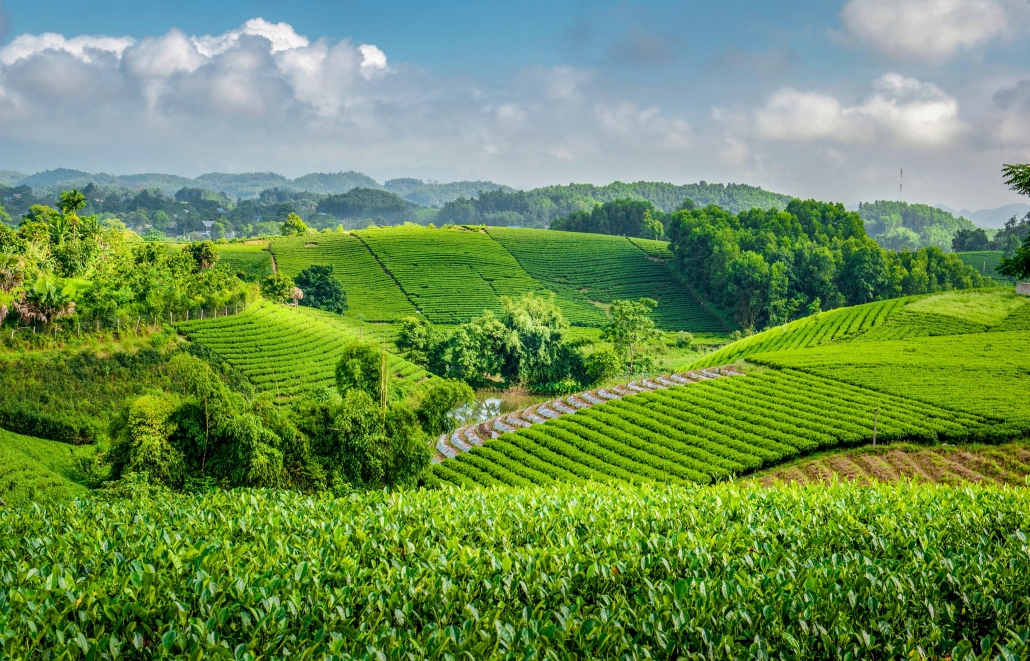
x: 704, y: 431
x: 289, y: 351
x: 724, y: 572
x: 602, y: 268
x: 371, y: 292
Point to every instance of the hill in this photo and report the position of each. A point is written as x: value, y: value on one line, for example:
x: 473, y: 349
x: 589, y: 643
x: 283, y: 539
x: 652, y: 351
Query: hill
x: 452, y: 275
x: 292, y: 351
x: 33, y: 470
x: 900, y: 225
x: 833, y: 379
x: 986, y: 262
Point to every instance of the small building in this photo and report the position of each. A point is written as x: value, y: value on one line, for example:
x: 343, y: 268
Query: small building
x: 1023, y: 288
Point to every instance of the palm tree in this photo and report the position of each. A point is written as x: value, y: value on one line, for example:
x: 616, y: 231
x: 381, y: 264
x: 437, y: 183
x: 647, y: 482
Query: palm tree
x: 71, y: 202
x: 44, y: 302
x: 12, y: 271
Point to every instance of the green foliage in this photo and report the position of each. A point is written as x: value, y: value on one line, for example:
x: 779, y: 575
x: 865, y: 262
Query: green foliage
x: 622, y: 217
x: 321, y: 289
x: 631, y: 330
x: 293, y: 226
x: 968, y: 240
x: 367, y: 203
x: 202, y: 253
x: 141, y: 442
x: 900, y: 225
x: 278, y: 287
x: 604, y: 364
x: 421, y: 341
x: 250, y: 262
x: 444, y: 396
x: 769, y: 266
x: 1017, y: 266
x: 361, y: 368
x: 1017, y: 177
x: 815, y: 572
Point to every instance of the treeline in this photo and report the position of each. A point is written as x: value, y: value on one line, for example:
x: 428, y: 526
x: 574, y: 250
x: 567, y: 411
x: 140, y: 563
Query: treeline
x: 903, y: 226
x: 769, y: 266
x: 1007, y: 239
x: 539, y: 207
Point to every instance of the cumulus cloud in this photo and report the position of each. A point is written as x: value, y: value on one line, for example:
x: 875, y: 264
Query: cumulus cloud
x: 925, y: 28
x: 900, y: 110
x: 83, y: 48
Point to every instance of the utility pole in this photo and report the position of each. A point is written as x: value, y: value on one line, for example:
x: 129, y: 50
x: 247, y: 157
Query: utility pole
x: 876, y: 419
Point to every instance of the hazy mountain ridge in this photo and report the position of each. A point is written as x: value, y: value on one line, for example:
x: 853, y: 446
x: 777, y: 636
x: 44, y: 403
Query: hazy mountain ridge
x: 991, y: 218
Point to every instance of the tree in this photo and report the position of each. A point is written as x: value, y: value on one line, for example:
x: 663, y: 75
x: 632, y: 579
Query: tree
x: 203, y: 254
x: 294, y: 226
x: 12, y: 271
x: 604, y: 364
x: 277, y: 287
x: 966, y: 240
x: 321, y: 289
x: 443, y: 396
x: 631, y: 327
x: 1017, y: 177
x: 421, y: 340
x: 194, y: 378
x: 477, y: 349
x: 361, y: 367
x: 1017, y: 266
x: 70, y: 202
x: 748, y: 279
x: 652, y: 225
x: 141, y: 434
x: 44, y: 302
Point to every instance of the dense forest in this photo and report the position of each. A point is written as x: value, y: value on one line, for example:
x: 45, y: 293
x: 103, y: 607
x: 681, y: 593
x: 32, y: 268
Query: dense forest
x: 770, y: 266
x: 900, y: 225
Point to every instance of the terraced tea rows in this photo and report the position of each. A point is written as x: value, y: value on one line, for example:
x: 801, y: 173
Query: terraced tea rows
x: 597, y: 267
x: 290, y: 351
x: 984, y: 374
x: 986, y: 262
x: 1001, y: 464
x: 451, y: 275
x: 701, y: 432
x: 807, y: 331
x: 371, y: 292
x: 465, y: 438
x: 37, y: 470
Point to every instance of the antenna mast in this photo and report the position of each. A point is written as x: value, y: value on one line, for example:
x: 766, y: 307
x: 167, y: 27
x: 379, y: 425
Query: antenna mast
x: 901, y: 184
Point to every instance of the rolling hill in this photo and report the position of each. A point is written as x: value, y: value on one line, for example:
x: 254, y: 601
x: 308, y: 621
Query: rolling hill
x: 452, y: 275
x: 911, y: 369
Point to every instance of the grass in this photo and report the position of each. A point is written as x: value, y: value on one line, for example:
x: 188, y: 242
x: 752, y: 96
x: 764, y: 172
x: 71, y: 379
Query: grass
x: 372, y: 294
x: 34, y: 470
x: 986, y: 308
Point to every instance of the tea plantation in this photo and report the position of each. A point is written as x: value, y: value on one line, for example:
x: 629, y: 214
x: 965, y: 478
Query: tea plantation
x: 451, y: 275
x: 574, y: 572
x: 824, y: 381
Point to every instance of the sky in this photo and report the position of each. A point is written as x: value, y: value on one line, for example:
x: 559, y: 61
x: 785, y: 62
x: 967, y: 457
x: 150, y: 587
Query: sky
x: 827, y: 98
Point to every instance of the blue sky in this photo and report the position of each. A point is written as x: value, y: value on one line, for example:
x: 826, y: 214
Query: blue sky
x: 824, y: 99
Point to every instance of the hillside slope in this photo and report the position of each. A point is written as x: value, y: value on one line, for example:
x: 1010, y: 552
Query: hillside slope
x: 37, y: 470
x: 961, y: 374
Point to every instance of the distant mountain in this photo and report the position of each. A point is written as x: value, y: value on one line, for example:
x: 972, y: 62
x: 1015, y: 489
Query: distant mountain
x: 249, y: 185
x: 900, y: 225
x: 991, y: 218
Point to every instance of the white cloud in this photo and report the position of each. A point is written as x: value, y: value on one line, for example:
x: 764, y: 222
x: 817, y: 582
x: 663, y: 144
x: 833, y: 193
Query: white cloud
x: 925, y: 28
x: 85, y: 48
x: 281, y: 36
x: 644, y: 126
x: 373, y: 60
x: 900, y: 111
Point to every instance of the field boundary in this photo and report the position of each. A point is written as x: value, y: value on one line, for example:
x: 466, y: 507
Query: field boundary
x: 386, y: 270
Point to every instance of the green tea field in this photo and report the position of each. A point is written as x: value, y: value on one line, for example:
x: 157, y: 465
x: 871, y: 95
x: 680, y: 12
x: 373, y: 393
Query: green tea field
x: 452, y: 275
x: 817, y: 383
x: 289, y: 351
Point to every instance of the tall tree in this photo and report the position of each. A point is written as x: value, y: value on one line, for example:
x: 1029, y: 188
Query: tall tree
x: 631, y: 327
